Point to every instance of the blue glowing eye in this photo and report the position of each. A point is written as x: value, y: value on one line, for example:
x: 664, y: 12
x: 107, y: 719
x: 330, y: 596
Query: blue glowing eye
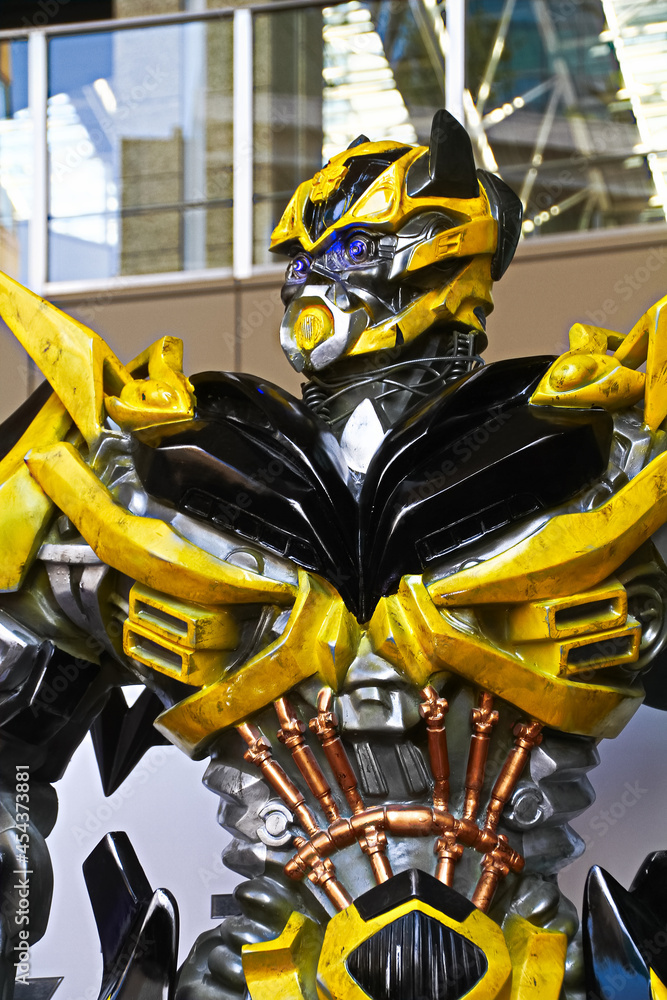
x: 358, y: 250
x: 300, y: 267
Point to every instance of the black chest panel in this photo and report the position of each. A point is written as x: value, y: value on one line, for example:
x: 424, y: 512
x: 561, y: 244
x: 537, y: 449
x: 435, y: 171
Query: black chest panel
x: 464, y: 464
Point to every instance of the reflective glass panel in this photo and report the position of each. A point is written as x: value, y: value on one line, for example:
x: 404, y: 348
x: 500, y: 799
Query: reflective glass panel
x: 16, y: 158
x: 140, y: 138
x: 570, y: 100
x: 323, y: 76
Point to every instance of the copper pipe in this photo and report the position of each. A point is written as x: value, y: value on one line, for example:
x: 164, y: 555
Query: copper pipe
x: 410, y: 821
x: 401, y: 820
x: 470, y: 834
x: 375, y: 816
x: 323, y: 875
x: 295, y: 867
x: 495, y: 865
x: 325, y: 726
x: 291, y: 733
x: 332, y: 887
x: 342, y: 833
x: 483, y: 719
x: 374, y: 845
x: 405, y: 820
x: 304, y: 859
x: 444, y: 820
x: 433, y: 710
x: 372, y: 842
x: 448, y: 853
x: 302, y: 863
x: 526, y: 736
x: 419, y: 821
x: 259, y: 754
x: 485, y: 890
x: 324, y: 844
x: 485, y: 841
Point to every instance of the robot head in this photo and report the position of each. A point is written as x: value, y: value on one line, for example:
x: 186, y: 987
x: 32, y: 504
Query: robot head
x: 387, y: 241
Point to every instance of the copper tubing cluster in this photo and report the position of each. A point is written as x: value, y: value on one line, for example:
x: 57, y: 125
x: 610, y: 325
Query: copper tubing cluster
x: 402, y: 821
x: 320, y: 873
x: 526, y: 736
x: 291, y: 733
x: 373, y: 842
x: 310, y: 862
x: 499, y: 859
x: 259, y: 753
x: 369, y: 826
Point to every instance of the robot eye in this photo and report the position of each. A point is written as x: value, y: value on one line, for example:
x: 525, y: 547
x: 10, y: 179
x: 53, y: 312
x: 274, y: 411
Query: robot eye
x: 299, y: 267
x: 359, y: 249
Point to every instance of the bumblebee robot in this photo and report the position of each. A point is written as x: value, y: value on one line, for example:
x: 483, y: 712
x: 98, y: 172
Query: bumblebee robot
x: 398, y: 615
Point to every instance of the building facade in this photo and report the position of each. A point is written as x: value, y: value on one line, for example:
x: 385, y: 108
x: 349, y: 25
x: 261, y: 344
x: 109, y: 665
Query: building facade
x: 147, y: 148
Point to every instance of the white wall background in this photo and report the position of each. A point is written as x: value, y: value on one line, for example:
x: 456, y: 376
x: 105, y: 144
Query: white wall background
x: 170, y: 818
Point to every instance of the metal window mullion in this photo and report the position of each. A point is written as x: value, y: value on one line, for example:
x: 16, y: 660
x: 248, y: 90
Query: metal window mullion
x: 195, y: 110
x: 243, y: 144
x: 455, y: 63
x: 37, y: 103
x: 157, y: 20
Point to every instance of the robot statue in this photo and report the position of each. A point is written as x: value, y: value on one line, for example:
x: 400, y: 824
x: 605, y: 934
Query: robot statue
x: 438, y: 583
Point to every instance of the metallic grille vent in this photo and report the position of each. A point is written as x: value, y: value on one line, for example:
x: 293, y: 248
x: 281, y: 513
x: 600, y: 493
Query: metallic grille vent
x: 417, y: 958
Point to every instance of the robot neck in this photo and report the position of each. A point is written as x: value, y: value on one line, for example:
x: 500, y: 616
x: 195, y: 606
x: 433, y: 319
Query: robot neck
x: 364, y: 397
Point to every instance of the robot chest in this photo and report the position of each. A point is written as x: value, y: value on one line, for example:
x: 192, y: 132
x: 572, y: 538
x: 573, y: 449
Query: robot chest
x: 458, y: 473
x: 461, y: 471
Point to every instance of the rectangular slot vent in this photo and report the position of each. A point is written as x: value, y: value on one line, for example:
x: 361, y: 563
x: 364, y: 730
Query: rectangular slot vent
x: 154, y: 655
x: 610, y: 649
x: 566, y: 618
x: 147, y: 614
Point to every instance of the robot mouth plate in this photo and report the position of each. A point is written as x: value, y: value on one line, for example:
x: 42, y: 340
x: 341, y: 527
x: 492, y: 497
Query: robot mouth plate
x: 314, y: 333
x: 314, y: 325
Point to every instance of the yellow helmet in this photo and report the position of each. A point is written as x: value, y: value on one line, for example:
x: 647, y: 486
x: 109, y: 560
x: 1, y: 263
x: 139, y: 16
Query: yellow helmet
x: 389, y: 240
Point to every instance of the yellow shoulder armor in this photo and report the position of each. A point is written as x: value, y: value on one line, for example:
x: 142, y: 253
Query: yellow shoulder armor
x: 44, y: 472
x: 588, y: 375
x: 87, y: 376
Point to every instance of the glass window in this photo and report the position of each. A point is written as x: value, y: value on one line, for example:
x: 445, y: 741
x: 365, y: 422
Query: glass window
x: 140, y: 138
x: 16, y: 173
x: 570, y: 98
x: 323, y: 76
x: 287, y: 140
x: 566, y: 99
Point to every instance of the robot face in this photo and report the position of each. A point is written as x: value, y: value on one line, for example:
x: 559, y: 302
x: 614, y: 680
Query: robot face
x: 333, y: 296
x: 388, y: 240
